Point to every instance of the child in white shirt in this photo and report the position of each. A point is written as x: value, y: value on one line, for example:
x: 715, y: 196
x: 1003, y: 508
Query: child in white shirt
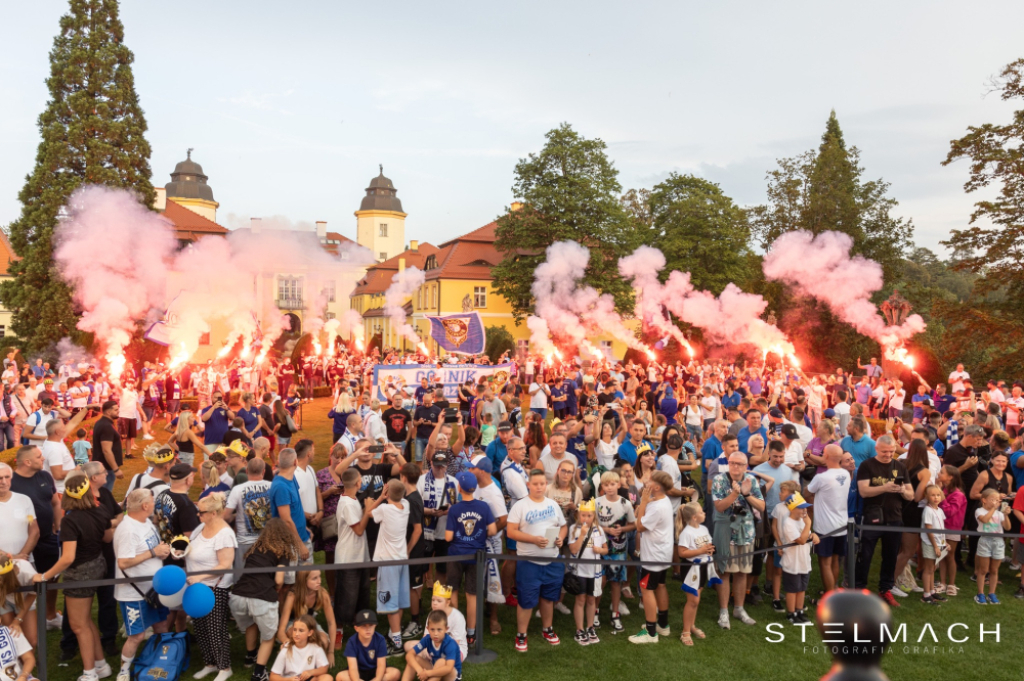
x: 933, y: 544
x: 586, y: 601
x: 796, y: 560
x: 695, y: 545
x: 302, y: 657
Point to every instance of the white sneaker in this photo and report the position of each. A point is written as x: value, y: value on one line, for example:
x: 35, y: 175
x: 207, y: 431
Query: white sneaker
x: 55, y: 623
x: 623, y: 610
x: 536, y: 613
x: 641, y: 603
x: 103, y: 669
x: 224, y: 675
x: 124, y: 675
x: 663, y: 631
x: 742, y: 616
x: 896, y: 591
x: 204, y: 672
x: 560, y: 607
x: 147, y: 436
x: 643, y: 637
x: 627, y: 592
x: 88, y: 676
x: 723, y: 619
x: 916, y: 589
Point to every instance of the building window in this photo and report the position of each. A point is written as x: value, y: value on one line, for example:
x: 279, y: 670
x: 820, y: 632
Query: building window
x: 329, y: 291
x: 606, y: 348
x: 522, y: 347
x: 419, y: 298
x: 204, y: 339
x: 3, y: 329
x: 433, y: 297
x: 383, y: 230
x: 330, y: 316
x: 289, y: 291
x: 479, y: 296
x: 383, y: 256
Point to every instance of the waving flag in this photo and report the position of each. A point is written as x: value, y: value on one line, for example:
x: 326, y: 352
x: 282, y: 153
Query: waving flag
x: 459, y: 333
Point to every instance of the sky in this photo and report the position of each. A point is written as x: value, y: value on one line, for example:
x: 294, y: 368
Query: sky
x: 290, y: 107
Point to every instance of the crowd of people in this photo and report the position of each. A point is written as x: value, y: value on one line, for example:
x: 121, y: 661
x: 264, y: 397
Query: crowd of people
x: 709, y: 473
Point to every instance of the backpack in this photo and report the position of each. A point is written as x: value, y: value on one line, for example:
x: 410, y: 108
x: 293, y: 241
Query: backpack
x: 165, y: 657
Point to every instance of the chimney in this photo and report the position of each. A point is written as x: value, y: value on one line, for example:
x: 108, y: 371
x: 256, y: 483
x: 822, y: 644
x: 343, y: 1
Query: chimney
x: 321, y: 230
x: 401, y: 265
x: 255, y: 224
x: 414, y: 246
x: 516, y: 205
x: 160, y: 202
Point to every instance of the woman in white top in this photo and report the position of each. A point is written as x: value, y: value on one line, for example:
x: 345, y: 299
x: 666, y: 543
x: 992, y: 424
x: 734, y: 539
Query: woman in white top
x: 606, y: 446
x: 213, y: 548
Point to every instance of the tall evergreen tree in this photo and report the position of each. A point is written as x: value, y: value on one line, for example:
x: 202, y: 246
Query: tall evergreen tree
x: 570, y: 191
x: 92, y: 133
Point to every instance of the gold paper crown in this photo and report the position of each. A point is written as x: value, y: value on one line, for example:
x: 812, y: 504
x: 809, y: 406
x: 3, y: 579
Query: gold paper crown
x: 80, y: 492
x: 7, y: 565
x: 181, y: 537
x: 589, y: 506
x: 442, y: 591
x: 239, y: 447
x: 158, y: 454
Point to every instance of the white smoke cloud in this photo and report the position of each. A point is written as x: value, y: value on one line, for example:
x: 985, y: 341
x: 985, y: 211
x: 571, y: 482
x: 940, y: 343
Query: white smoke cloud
x: 403, y: 285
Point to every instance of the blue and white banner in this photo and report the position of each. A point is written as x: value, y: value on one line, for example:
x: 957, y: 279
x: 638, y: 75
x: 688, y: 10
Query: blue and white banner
x: 390, y: 378
x: 459, y: 333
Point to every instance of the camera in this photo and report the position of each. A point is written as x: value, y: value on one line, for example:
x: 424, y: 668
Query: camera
x: 737, y: 511
x: 377, y: 449
x: 451, y: 415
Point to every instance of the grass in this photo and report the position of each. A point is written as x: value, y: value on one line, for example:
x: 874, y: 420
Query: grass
x: 742, y: 652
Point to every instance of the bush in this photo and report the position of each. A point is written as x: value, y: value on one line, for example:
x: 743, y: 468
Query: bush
x: 499, y: 340
x: 322, y: 391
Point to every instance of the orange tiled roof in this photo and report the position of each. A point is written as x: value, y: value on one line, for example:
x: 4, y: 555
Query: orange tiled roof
x: 7, y: 254
x: 378, y: 277
x: 188, y: 224
x: 470, y: 256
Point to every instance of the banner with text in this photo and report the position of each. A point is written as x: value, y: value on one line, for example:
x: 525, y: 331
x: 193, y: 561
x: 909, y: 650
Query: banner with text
x: 390, y: 378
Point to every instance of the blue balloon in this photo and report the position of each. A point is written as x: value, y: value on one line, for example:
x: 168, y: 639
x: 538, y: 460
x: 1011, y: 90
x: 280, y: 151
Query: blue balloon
x: 198, y: 601
x: 169, y: 580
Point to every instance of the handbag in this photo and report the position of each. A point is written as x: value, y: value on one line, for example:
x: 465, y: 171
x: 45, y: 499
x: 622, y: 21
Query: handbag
x: 329, y: 527
x: 571, y: 582
x: 290, y: 422
x: 151, y: 597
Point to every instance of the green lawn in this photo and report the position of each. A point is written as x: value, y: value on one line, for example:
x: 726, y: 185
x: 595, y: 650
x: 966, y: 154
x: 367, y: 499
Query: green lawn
x: 743, y: 652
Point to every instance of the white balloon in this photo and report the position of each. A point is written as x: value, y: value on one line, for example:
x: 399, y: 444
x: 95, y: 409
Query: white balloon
x: 174, y: 600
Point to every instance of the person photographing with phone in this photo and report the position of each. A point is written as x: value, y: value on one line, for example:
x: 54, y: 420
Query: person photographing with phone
x: 216, y: 421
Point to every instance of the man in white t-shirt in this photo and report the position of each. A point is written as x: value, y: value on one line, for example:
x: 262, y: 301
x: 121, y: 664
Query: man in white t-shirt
x: 897, y: 396
x: 708, y: 407
x: 539, y: 394
x: 557, y: 456
x: 831, y: 490
x: 956, y: 379
x: 538, y: 527
x: 248, y: 505
x: 19, y: 531
x: 305, y: 476
x: 139, y: 553
x: 57, y: 458
x: 352, y: 590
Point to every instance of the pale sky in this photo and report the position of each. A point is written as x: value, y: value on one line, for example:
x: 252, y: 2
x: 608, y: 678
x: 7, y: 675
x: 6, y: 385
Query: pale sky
x: 291, y: 106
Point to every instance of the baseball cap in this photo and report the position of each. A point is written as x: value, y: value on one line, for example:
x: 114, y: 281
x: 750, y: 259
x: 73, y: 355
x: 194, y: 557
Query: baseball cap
x: 927, y: 402
x: 439, y: 457
x: 797, y: 501
x: 829, y: 413
x: 505, y: 425
x: 180, y: 471
x: 483, y: 464
x: 775, y: 413
x: 467, y: 481
x: 366, y: 617
x: 789, y: 430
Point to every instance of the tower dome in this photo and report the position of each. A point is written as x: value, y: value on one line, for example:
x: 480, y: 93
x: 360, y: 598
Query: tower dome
x: 188, y: 181
x: 381, y: 195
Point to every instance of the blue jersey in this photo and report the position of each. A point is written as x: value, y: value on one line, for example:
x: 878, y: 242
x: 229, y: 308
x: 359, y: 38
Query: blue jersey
x: 448, y: 650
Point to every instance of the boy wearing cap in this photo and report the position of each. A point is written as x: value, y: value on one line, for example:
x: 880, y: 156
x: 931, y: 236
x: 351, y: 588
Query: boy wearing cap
x: 366, y: 652
x: 392, y: 580
x: 470, y: 523
x: 796, y: 560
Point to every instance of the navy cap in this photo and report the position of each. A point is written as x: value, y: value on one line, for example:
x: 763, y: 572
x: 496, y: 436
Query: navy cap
x: 467, y: 481
x: 775, y: 413
x: 483, y: 464
x: 366, y: 617
x: 829, y: 413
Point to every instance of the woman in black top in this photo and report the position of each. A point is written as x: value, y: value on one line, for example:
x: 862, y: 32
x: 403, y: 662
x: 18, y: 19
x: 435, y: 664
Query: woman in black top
x: 995, y: 478
x: 919, y: 478
x: 84, y: 530
x: 281, y: 429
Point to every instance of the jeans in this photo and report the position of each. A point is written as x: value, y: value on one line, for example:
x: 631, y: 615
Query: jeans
x: 421, y: 446
x: 890, y: 550
x: 109, y: 484
x: 351, y: 594
x: 7, y: 435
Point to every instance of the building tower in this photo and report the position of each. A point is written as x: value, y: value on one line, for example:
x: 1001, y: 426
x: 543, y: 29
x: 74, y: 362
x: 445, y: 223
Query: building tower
x: 188, y: 187
x: 380, y: 222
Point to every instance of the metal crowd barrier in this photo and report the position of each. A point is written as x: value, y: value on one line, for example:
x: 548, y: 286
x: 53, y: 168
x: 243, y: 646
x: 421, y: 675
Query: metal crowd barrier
x: 479, y: 654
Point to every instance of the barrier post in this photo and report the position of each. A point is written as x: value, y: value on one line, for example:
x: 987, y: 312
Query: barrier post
x: 480, y: 655
x: 851, y: 553
x: 41, y: 635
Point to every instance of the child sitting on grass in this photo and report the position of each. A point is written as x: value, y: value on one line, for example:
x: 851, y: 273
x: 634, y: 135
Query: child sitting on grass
x: 796, y: 560
x: 302, y: 657
x: 366, y: 652
x: 437, y: 654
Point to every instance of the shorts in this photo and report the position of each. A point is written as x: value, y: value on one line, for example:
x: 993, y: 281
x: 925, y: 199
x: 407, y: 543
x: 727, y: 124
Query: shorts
x: 367, y: 674
x: 991, y: 547
x: 694, y: 431
x: 172, y: 406
x: 1018, y: 553
x: 86, y: 572
x: 777, y: 558
x: 831, y: 546
x: 928, y: 551
x: 417, y: 573
x: 616, y: 573
x: 453, y: 578
x: 140, y: 615
x: 435, y: 548
x: 543, y: 413
x: 392, y: 588
x: 651, y: 580
x: 127, y: 428
x: 534, y: 581
x: 149, y: 411
x: 289, y: 577
x: 510, y: 544
x: 953, y: 538
x: 46, y: 554
x: 283, y: 441
x: 589, y: 585
x: 794, y: 584
x: 250, y: 611
x: 703, y: 570
x: 743, y: 564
